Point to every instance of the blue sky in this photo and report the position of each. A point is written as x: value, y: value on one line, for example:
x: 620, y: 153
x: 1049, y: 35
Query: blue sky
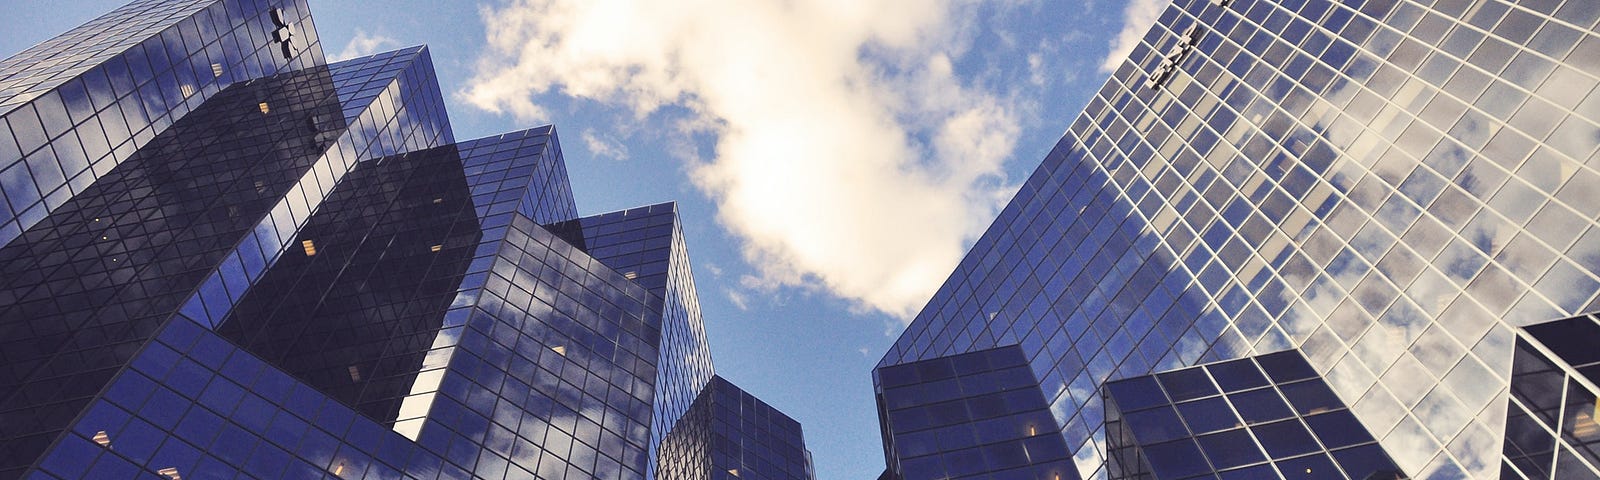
x: 832, y: 159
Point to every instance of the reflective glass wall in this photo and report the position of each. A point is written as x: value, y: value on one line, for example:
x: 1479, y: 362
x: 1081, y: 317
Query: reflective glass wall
x: 1553, y: 417
x: 79, y: 104
x: 646, y: 245
x: 728, y: 434
x: 1389, y: 186
x: 1262, y: 417
x: 973, y: 415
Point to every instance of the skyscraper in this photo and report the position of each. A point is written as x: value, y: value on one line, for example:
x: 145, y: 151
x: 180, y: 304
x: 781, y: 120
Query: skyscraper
x: 729, y: 434
x: 222, y: 255
x: 1382, y: 191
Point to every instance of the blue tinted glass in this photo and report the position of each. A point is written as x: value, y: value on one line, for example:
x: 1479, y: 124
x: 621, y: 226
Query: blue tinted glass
x: 1284, y: 439
x: 1155, y: 425
x: 1311, y: 397
x: 1312, y: 466
x: 1237, y: 375
x: 1286, y: 366
x: 1136, y: 393
x: 1230, y: 449
x: 1209, y: 415
x: 1187, y: 384
x: 1366, y: 461
x: 1338, y: 429
x: 1262, y: 405
x: 1176, y: 459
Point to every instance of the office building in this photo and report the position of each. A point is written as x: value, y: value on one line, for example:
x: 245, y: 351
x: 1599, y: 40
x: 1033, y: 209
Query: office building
x: 1388, y: 191
x: 223, y: 255
x: 728, y: 434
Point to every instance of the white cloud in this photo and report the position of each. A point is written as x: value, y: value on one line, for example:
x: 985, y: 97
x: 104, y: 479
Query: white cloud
x: 1137, y: 18
x: 604, y: 146
x: 1036, y: 74
x: 738, y: 300
x: 848, y: 154
x: 364, y: 44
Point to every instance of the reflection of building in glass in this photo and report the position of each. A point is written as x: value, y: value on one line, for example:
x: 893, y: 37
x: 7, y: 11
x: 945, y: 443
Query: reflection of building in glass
x: 1551, y: 421
x: 1389, y: 188
x: 222, y: 255
x: 1236, y: 416
x: 646, y: 245
x: 729, y: 434
x: 976, y: 413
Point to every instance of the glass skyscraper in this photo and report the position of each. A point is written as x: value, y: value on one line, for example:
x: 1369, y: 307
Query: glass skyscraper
x: 728, y: 434
x: 1296, y: 238
x: 222, y: 256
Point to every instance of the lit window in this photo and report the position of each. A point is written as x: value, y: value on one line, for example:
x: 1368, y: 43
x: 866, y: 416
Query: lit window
x: 101, y: 438
x: 437, y: 201
x: 355, y: 373
x: 631, y: 275
x: 311, y: 248
x: 187, y: 90
x: 216, y: 69
x: 171, y: 473
x: 560, y: 350
x: 733, y: 471
x: 264, y: 108
x: 1583, y: 423
x: 435, y: 248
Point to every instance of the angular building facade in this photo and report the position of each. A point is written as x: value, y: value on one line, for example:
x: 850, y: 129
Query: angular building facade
x: 1385, y: 189
x: 221, y: 255
x: 728, y: 434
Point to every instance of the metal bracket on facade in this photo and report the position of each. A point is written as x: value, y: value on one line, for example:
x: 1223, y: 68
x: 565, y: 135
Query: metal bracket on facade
x: 284, y: 34
x: 1175, y: 56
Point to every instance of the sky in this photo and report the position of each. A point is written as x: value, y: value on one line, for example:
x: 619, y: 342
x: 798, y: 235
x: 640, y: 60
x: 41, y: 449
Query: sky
x: 832, y: 159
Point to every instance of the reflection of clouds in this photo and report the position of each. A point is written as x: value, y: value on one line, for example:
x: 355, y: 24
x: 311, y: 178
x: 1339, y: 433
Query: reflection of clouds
x: 1378, y: 411
x: 1477, y: 449
x: 1432, y: 291
x: 1349, y: 378
x: 1409, y: 445
x: 1405, y: 320
x: 465, y: 299
x: 1087, y: 459
x: 1381, y: 345
x: 1444, y: 415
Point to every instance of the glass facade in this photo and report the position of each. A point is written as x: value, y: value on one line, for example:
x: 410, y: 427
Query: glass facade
x: 272, y: 267
x: 80, y: 104
x: 1551, y: 420
x: 1260, y: 417
x: 975, y: 415
x: 646, y: 245
x: 728, y: 434
x: 1390, y: 187
x: 90, y: 282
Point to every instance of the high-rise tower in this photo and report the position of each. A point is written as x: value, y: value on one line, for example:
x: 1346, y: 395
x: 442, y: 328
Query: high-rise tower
x: 221, y: 255
x: 1381, y: 190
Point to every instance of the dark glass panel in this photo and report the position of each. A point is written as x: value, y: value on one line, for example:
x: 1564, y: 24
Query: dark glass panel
x: 1178, y: 459
x: 1237, y: 375
x: 1187, y: 384
x: 1230, y: 449
x: 1209, y: 415
x: 1136, y: 393
x: 1284, y: 439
